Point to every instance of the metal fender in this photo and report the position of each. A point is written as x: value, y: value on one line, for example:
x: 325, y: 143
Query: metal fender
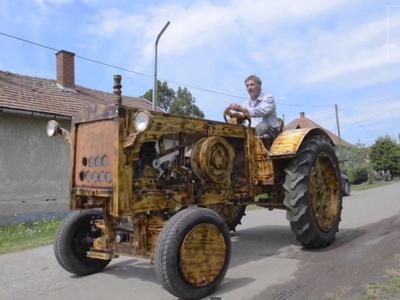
x: 289, y: 141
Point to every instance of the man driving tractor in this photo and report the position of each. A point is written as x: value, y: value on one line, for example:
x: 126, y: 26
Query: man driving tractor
x: 261, y: 108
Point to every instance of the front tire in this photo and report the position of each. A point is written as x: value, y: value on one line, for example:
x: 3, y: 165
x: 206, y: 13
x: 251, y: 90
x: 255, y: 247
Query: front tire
x: 312, y: 193
x: 73, y: 239
x: 193, y: 253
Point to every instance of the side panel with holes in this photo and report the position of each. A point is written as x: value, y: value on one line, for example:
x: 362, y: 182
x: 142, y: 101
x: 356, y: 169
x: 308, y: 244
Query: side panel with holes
x: 95, y: 155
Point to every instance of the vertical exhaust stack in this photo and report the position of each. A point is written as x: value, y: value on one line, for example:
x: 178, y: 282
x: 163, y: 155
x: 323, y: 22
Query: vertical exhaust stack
x: 117, y: 89
x: 155, y: 65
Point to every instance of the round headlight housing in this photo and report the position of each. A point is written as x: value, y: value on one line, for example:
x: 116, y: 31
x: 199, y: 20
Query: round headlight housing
x: 142, y: 121
x: 52, y: 128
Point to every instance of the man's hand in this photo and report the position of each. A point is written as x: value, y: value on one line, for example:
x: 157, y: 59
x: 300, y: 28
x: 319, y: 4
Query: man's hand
x: 236, y: 107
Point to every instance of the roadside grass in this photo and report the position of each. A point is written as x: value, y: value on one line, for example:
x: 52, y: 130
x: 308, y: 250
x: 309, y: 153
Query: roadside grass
x: 388, y: 290
x: 27, y: 235
x: 366, y: 186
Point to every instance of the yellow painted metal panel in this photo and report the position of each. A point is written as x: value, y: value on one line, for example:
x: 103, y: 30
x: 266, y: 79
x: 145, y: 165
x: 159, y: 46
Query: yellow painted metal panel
x: 288, y: 142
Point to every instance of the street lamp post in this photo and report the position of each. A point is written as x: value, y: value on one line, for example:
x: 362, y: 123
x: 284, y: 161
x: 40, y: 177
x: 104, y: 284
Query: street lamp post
x: 155, y: 65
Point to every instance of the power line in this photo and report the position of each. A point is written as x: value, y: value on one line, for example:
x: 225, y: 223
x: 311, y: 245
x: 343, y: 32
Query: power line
x: 147, y: 75
x: 27, y: 41
x: 112, y: 66
x: 372, y: 117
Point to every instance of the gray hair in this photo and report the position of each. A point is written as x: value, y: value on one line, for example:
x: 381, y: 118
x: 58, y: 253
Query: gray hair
x: 255, y: 78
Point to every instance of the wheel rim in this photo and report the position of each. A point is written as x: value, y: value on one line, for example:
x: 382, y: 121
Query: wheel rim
x: 83, y: 239
x: 324, y: 189
x: 202, y: 255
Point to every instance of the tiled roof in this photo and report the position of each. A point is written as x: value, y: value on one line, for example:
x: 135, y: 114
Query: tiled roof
x: 304, y: 122
x: 44, y: 96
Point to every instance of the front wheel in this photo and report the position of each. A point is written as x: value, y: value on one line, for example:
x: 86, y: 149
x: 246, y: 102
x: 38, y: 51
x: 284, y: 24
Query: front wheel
x: 72, y: 241
x: 193, y: 253
x: 312, y: 193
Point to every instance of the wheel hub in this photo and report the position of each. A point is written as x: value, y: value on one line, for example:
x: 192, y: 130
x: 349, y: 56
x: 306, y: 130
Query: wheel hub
x: 202, y: 255
x: 324, y: 189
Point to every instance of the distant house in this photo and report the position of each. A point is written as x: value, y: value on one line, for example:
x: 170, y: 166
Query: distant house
x: 304, y: 122
x: 34, y: 169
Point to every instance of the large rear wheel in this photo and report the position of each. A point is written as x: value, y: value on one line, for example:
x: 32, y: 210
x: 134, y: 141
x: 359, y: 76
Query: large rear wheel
x: 232, y: 214
x: 312, y: 193
x: 193, y: 253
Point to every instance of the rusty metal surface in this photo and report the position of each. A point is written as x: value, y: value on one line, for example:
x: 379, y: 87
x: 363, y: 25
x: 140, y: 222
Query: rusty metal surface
x: 96, y: 112
x: 202, y: 255
x: 264, y: 173
x: 174, y: 163
x: 117, y: 89
x: 289, y: 141
x: 95, y: 155
x: 99, y: 255
x: 212, y: 159
x: 104, y: 193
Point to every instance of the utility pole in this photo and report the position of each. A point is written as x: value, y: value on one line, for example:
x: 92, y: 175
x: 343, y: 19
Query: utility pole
x: 155, y: 65
x: 337, y: 122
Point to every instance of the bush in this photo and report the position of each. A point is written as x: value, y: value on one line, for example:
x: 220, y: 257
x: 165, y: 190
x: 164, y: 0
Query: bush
x: 358, y: 175
x: 355, y: 164
x: 385, y: 155
x: 388, y: 176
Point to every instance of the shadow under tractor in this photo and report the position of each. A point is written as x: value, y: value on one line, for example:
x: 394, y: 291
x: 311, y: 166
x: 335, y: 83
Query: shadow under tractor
x: 170, y: 188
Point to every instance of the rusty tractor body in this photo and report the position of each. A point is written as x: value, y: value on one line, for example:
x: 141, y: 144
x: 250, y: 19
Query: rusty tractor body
x: 170, y: 188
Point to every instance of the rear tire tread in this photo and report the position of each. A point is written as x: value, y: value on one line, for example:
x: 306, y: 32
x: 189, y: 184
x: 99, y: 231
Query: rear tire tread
x: 298, y: 198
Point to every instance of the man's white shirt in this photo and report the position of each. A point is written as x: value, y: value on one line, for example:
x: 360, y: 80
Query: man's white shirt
x: 263, y: 109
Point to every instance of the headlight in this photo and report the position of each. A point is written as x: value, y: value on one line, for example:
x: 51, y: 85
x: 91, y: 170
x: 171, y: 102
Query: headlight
x: 142, y: 121
x: 52, y: 128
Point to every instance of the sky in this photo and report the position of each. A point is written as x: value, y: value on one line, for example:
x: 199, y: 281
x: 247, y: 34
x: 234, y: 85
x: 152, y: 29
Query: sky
x: 310, y: 54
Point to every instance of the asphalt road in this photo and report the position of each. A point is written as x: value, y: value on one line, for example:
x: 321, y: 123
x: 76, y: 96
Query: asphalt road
x: 267, y: 262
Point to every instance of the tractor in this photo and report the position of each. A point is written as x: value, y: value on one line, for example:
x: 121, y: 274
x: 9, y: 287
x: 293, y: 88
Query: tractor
x: 171, y: 188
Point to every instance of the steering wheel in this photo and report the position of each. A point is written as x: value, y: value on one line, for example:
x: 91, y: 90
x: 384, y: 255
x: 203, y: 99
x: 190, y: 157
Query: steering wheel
x: 237, y: 117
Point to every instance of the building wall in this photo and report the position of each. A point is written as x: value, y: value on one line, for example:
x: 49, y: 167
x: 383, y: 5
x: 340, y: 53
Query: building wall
x: 34, y: 170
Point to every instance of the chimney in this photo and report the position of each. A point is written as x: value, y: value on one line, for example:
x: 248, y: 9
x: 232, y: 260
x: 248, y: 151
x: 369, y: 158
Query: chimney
x: 302, y: 114
x: 66, y: 70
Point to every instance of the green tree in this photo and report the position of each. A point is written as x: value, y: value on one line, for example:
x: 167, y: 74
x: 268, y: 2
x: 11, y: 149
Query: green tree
x: 385, y: 155
x: 165, y: 95
x: 181, y: 102
x: 185, y: 104
x: 354, y: 162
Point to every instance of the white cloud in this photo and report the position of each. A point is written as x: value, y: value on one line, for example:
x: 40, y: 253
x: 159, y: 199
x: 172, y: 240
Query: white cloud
x: 371, y: 113
x: 325, y: 118
x: 344, y: 53
x: 350, y: 51
x: 53, y: 2
x: 381, y: 111
x: 203, y: 24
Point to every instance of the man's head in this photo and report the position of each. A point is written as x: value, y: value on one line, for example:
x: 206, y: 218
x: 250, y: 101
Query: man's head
x: 253, y: 86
